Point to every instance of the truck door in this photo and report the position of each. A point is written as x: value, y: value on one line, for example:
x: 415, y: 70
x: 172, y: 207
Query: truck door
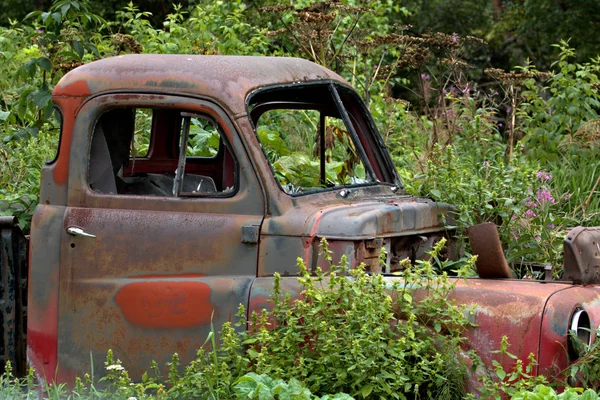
x: 162, y: 225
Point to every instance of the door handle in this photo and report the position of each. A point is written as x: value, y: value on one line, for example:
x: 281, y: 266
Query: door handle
x: 73, y: 230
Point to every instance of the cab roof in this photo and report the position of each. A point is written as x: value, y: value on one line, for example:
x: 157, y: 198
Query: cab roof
x: 229, y: 79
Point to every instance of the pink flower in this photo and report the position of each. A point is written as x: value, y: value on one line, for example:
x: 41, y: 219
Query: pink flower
x: 455, y: 38
x: 544, y: 195
x: 530, y: 214
x: 544, y: 176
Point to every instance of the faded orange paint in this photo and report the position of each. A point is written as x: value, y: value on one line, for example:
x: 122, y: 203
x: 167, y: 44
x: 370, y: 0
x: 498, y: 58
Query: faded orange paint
x: 76, y: 89
x: 166, y: 304
x: 69, y: 106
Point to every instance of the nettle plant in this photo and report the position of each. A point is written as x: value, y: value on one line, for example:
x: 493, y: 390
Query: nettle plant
x: 365, y: 335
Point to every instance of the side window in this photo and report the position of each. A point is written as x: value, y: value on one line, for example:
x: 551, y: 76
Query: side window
x: 160, y: 152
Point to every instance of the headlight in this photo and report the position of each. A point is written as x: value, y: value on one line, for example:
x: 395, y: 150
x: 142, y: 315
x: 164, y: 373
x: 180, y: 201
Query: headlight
x: 580, y: 333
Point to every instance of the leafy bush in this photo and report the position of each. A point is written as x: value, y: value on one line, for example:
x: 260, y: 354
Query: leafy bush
x: 543, y: 392
x: 353, y: 332
x: 561, y: 109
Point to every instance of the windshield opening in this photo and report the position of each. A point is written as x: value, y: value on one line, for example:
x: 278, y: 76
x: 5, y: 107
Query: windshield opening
x: 310, y: 140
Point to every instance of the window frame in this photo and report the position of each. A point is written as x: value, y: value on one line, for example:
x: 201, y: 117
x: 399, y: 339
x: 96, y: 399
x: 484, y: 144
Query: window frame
x: 370, y: 133
x: 224, y: 146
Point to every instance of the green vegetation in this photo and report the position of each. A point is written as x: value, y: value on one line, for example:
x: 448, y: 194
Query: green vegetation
x: 517, y: 148
x: 351, y: 335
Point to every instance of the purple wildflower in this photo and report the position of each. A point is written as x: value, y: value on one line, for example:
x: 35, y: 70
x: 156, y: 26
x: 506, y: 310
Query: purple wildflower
x: 455, y: 38
x: 544, y: 195
x: 538, y: 239
x: 500, y: 124
x: 544, y: 176
x: 530, y: 214
x: 551, y: 226
x: 425, y: 77
x: 487, y: 163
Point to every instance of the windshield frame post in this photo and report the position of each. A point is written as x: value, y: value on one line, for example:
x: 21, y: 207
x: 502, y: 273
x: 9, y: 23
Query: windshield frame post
x: 322, y: 121
x: 358, y: 144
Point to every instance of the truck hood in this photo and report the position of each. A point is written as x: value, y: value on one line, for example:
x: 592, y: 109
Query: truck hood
x: 361, y: 219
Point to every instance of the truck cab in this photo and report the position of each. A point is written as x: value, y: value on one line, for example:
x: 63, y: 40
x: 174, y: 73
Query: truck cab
x: 180, y: 181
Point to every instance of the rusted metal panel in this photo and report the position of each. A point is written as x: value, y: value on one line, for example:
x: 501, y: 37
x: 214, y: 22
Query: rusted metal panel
x: 227, y: 79
x: 347, y: 224
x: 504, y: 307
x: 514, y: 308
x: 53, y: 191
x: 148, y: 284
x: 43, y: 289
x: 557, y: 315
x: 486, y: 245
x: 280, y: 254
x: 370, y: 213
x: 143, y: 319
x: 582, y: 255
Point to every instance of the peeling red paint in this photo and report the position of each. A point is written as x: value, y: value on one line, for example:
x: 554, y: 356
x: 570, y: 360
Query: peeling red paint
x: 166, y: 304
x: 42, y: 337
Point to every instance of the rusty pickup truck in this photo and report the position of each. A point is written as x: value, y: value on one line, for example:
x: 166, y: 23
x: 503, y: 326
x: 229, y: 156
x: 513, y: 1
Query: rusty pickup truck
x: 182, y: 183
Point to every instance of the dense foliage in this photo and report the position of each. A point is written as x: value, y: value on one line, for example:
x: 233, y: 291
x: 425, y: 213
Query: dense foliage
x: 518, y: 148
x: 519, y: 152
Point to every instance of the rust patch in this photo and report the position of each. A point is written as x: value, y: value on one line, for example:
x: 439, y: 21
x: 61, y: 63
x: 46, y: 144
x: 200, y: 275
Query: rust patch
x: 166, y: 304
